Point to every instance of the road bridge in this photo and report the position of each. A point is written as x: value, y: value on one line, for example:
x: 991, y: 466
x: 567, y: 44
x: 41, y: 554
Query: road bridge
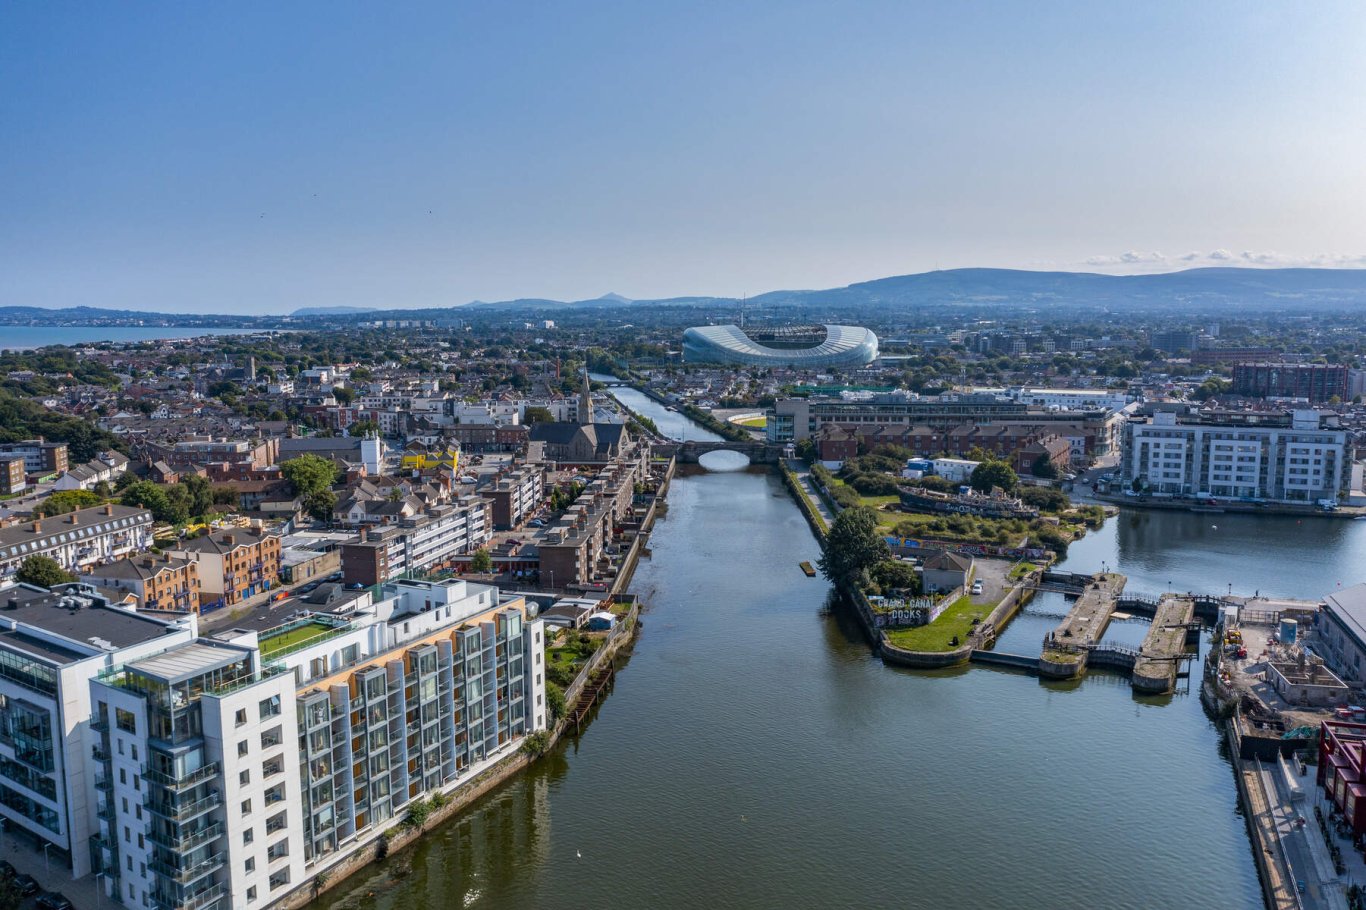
x: 690, y: 451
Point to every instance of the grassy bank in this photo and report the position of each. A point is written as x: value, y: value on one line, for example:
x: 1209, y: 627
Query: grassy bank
x: 956, y: 620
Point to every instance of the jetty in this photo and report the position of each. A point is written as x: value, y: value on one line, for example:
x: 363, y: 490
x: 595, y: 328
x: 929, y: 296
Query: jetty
x: 1164, y: 648
x: 1067, y: 648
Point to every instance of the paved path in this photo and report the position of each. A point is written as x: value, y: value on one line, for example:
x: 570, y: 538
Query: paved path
x: 52, y: 875
x: 799, y: 468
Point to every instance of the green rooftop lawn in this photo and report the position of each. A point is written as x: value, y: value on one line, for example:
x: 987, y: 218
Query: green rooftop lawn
x: 956, y: 620
x: 271, y: 643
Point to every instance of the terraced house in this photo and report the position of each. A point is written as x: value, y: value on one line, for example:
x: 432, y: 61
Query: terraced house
x: 233, y: 564
x: 77, y: 540
x: 162, y: 582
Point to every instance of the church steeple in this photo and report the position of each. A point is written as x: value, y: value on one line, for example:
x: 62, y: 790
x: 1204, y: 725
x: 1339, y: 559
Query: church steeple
x: 586, y: 402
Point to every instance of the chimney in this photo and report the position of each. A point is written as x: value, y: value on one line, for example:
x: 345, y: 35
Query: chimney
x: 75, y: 518
x: 108, y: 508
x: 38, y: 526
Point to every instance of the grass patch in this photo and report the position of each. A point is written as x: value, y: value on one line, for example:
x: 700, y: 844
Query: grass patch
x: 956, y: 620
x: 757, y: 423
x: 1021, y: 569
x: 272, y: 644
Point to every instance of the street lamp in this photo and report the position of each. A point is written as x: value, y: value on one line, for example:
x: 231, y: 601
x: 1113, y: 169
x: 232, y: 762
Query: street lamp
x: 47, y: 862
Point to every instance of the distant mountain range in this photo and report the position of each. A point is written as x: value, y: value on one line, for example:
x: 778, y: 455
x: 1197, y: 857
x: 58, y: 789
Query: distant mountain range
x: 1208, y: 288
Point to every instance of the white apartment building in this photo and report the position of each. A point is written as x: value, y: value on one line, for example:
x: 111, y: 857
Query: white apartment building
x: 1273, y: 457
x: 235, y: 768
x: 1064, y: 399
x: 77, y: 540
x: 52, y: 644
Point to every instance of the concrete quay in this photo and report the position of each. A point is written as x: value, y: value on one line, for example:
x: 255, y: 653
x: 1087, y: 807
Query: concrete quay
x: 1066, y: 648
x: 1156, y: 667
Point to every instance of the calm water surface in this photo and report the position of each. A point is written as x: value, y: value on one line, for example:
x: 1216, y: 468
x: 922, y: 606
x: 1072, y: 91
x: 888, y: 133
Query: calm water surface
x: 754, y: 754
x: 22, y: 337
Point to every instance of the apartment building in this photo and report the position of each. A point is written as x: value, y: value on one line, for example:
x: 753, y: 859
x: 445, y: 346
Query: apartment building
x: 1296, y: 457
x: 221, y: 459
x: 236, y: 768
x: 163, y: 582
x: 420, y: 543
x: 40, y: 457
x: 12, y: 477
x: 233, y: 564
x: 514, y: 495
x: 77, y: 540
x: 795, y: 419
x: 52, y: 643
x: 1317, y: 383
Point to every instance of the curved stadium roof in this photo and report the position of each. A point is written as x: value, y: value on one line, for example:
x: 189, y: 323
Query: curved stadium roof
x: 844, y: 345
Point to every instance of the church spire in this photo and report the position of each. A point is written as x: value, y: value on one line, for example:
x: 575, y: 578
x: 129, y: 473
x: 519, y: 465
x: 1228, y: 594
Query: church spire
x: 586, y: 401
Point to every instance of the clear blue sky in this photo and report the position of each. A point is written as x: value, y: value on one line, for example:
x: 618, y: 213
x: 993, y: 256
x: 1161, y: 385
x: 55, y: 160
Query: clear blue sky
x: 257, y: 157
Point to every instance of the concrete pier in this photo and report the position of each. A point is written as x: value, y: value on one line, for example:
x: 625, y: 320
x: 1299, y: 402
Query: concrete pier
x: 1065, y: 651
x: 1158, y: 660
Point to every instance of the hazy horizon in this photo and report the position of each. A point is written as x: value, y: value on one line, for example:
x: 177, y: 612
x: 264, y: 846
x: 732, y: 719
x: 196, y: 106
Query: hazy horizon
x: 262, y: 158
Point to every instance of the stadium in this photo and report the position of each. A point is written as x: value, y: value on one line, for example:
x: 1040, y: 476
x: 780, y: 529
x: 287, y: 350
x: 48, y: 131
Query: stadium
x: 797, y: 346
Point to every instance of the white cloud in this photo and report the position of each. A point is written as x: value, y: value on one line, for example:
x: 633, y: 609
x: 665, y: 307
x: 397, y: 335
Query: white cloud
x: 1135, y: 261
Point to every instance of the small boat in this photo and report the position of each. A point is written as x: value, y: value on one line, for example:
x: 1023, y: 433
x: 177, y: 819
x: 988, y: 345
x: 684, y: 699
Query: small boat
x: 807, y: 568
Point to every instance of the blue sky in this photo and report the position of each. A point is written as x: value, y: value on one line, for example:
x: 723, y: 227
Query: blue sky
x: 257, y: 157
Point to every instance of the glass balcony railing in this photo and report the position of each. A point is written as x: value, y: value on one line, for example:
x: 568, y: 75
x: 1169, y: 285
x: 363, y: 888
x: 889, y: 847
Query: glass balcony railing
x: 178, y: 784
x: 190, y: 874
x: 184, y: 843
x: 207, y: 899
x: 177, y: 813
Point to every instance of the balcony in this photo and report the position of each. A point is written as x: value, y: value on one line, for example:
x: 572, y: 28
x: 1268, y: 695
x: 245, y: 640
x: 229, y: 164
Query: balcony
x: 176, y: 813
x: 187, y: 842
x: 192, y: 779
x: 191, y: 874
x: 202, y: 900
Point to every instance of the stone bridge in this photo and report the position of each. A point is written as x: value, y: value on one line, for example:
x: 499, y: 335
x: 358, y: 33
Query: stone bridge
x: 690, y: 451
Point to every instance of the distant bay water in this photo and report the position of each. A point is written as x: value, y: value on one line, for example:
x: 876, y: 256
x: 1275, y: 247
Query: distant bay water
x: 25, y: 337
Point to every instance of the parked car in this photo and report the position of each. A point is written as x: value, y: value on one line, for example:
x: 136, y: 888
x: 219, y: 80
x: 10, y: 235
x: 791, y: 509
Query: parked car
x: 54, y: 900
x: 26, y: 884
x: 977, y: 587
x: 536, y: 523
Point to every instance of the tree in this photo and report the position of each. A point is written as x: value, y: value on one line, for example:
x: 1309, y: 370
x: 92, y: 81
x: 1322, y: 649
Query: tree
x: 852, y: 546
x: 554, y: 700
x: 10, y: 898
x: 64, y: 501
x: 894, y: 575
x: 991, y: 474
x: 1044, y: 467
x: 43, y: 571
x: 537, y: 414
x: 200, y: 492
x: 481, y: 561
x: 309, y: 474
x: 343, y: 395
x: 147, y: 495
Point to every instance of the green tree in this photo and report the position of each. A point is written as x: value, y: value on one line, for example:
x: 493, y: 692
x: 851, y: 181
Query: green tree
x: 64, y: 501
x: 991, y: 474
x: 200, y: 491
x: 481, y: 561
x: 537, y: 415
x: 554, y: 700
x: 1044, y: 467
x: 43, y: 571
x: 343, y: 395
x: 147, y: 495
x: 852, y: 546
x: 309, y: 474
x: 10, y: 898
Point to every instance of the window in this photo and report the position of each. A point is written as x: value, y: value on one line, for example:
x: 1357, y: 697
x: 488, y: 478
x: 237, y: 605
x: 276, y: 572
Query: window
x: 273, y: 767
x: 250, y: 864
x: 270, y: 707
x: 242, y: 748
x: 275, y: 794
x: 251, y: 893
x: 241, y: 716
x: 276, y: 823
x: 135, y: 752
x: 244, y: 777
x: 248, y: 836
x: 279, y: 879
x: 278, y: 850
x: 246, y: 807
x: 272, y: 737
x: 125, y: 720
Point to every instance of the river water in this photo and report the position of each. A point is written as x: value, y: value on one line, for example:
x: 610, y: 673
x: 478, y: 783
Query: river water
x: 755, y: 754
